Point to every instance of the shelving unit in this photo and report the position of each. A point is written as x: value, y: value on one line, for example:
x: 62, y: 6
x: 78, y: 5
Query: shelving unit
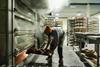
x: 93, y: 25
x: 70, y: 30
x: 78, y: 24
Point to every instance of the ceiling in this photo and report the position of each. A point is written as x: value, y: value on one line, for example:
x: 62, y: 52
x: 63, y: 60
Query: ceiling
x: 80, y: 6
x: 75, y: 7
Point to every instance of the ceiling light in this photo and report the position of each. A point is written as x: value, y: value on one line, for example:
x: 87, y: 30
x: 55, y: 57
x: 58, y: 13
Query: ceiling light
x: 79, y: 13
x: 72, y: 17
x: 56, y: 14
x: 56, y: 18
x: 55, y: 5
x: 99, y: 22
x: 71, y: 6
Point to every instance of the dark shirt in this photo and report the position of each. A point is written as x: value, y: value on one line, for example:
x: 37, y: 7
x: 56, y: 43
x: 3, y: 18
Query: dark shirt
x: 56, y: 34
x: 54, y: 37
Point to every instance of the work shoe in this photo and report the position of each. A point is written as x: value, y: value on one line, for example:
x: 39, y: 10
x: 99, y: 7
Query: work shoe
x: 49, y: 59
x: 61, y: 62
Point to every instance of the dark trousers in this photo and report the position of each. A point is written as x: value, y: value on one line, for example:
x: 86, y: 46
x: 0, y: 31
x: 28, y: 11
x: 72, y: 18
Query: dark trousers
x: 54, y: 44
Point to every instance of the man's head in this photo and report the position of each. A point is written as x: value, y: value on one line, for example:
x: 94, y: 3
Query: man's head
x: 47, y: 30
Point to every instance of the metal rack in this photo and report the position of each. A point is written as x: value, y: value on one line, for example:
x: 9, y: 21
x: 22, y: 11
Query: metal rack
x: 90, y: 38
x: 78, y: 24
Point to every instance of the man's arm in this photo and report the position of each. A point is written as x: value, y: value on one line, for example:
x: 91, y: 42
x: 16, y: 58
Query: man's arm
x: 48, y: 42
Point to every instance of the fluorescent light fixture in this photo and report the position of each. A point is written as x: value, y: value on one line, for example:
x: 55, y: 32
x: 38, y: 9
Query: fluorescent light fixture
x: 71, y: 6
x: 99, y: 22
x: 56, y: 14
x: 99, y: 16
x: 79, y: 14
x: 55, y: 5
x: 72, y: 17
x: 56, y: 18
